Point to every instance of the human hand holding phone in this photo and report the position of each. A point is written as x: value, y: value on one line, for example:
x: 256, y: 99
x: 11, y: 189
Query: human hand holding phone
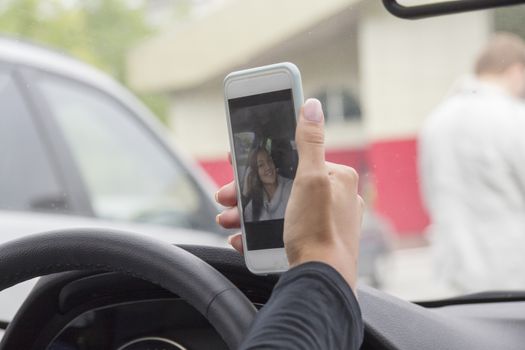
x: 323, y: 216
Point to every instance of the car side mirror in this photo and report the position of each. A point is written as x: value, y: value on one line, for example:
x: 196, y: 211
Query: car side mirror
x: 441, y: 7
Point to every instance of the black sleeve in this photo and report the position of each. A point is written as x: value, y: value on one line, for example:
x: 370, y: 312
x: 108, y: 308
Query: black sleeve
x: 311, y: 307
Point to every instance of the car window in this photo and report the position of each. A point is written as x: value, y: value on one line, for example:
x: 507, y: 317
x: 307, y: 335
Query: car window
x: 128, y: 174
x: 444, y: 194
x: 27, y: 178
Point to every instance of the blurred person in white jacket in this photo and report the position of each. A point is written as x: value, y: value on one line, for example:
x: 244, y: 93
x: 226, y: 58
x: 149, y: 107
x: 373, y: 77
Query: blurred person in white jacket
x: 472, y: 167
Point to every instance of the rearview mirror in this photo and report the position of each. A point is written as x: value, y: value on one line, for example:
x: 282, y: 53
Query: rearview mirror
x: 403, y: 9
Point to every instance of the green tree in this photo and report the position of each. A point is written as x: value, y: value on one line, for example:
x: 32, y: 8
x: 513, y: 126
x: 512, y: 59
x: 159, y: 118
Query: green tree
x: 99, y: 32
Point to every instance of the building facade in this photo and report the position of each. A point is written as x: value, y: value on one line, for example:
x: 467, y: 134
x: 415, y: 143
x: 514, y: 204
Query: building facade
x: 377, y: 76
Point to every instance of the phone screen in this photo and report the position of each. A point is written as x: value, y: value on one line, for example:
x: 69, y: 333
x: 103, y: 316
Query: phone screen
x: 263, y: 128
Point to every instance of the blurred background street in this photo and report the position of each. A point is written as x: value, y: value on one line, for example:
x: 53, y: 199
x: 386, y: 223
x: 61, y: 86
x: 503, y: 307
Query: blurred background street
x: 409, y: 276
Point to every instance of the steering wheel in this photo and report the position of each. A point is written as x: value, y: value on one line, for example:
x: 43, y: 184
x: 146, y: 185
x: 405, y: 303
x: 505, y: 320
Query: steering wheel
x: 172, y: 268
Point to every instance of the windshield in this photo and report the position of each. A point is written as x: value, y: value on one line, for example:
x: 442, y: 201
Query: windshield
x: 414, y: 106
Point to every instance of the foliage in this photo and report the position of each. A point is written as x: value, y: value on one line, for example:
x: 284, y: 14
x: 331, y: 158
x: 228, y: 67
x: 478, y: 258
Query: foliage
x: 99, y: 32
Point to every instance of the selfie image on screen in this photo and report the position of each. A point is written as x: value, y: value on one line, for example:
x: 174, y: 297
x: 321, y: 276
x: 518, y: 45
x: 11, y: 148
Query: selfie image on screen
x: 263, y: 133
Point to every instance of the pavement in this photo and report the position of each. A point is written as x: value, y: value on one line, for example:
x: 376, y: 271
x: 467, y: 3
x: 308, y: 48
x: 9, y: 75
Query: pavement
x: 408, y: 274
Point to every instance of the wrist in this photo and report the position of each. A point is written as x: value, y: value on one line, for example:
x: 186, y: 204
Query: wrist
x: 338, y: 258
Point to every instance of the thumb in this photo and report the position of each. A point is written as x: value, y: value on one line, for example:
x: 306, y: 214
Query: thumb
x: 309, y: 136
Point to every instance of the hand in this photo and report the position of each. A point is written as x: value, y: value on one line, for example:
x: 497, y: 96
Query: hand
x: 323, y: 216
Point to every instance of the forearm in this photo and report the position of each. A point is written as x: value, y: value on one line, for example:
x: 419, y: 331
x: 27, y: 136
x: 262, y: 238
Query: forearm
x: 312, y: 307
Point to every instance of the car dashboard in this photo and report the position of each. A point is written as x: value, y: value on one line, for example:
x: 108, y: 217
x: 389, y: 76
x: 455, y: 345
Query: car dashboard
x: 100, y: 310
x: 169, y: 324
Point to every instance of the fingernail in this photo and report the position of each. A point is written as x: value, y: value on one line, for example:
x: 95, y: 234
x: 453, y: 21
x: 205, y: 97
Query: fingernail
x: 218, y: 219
x: 230, y: 240
x: 312, y: 110
x: 217, y: 196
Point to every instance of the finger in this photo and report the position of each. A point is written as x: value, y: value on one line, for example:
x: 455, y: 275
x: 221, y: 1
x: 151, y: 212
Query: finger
x: 344, y: 171
x: 229, y: 218
x: 347, y: 177
x: 362, y: 204
x: 236, y: 242
x: 309, y: 136
x: 227, y: 195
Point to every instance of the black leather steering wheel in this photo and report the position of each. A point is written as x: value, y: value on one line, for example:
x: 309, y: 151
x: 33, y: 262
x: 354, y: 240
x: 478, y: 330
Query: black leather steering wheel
x: 168, y: 266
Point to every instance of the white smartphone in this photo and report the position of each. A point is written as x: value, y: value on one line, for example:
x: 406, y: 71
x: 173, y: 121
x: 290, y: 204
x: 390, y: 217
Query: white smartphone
x: 262, y: 106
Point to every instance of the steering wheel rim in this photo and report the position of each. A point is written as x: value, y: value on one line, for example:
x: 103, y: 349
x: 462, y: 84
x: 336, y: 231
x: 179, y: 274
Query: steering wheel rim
x: 215, y: 297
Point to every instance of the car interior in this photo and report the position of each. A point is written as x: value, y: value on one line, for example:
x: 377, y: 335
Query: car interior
x: 137, y: 298
x: 105, y: 289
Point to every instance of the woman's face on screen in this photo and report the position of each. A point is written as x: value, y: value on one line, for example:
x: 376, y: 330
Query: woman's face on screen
x: 266, y: 168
